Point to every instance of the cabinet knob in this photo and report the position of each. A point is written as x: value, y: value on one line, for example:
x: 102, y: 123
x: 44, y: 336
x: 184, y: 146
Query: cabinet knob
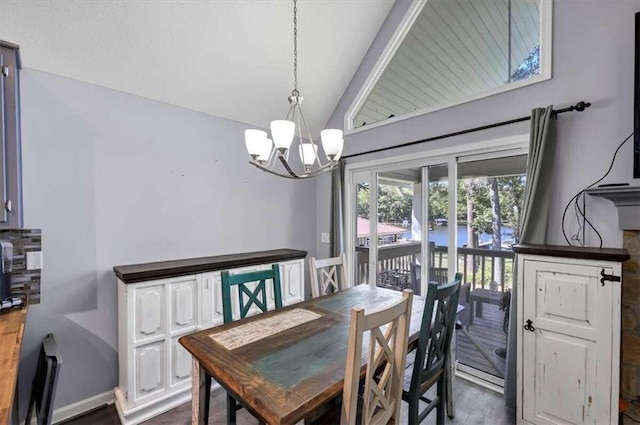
x: 5, y: 70
x: 8, y: 206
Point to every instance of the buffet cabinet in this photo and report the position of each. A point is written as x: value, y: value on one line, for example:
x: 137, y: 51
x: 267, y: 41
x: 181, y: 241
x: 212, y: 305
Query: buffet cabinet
x: 569, y: 334
x: 154, y: 369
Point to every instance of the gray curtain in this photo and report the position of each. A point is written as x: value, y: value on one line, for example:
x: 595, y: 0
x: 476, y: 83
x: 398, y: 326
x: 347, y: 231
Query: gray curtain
x: 337, y: 210
x: 533, y: 221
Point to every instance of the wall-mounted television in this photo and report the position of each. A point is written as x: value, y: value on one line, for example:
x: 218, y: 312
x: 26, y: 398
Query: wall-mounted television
x: 636, y: 104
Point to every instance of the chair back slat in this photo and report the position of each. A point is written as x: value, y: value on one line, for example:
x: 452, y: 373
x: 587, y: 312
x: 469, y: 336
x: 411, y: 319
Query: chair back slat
x: 438, y: 323
x: 388, y: 333
x: 328, y: 275
x: 248, y: 297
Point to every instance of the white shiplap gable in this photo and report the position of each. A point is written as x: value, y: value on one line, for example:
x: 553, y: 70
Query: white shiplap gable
x: 454, y: 49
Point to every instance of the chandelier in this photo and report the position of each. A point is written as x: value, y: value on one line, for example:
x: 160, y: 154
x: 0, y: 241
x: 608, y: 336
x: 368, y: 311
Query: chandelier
x: 264, y: 151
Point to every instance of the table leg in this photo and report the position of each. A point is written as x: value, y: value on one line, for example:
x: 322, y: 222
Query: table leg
x: 450, y: 371
x: 479, y: 309
x: 472, y: 304
x: 200, y: 394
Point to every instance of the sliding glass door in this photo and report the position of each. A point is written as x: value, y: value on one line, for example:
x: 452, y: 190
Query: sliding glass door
x: 490, y: 197
x: 421, y: 221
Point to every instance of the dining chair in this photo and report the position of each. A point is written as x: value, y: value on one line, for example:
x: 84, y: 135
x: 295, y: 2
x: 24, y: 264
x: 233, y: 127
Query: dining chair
x: 328, y: 275
x: 44, y: 383
x: 375, y: 400
x: 431, y: 355
x: 247, y: 298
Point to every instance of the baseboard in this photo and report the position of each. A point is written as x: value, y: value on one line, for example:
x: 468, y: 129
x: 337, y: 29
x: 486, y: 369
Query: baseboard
x: 152, y: 408
x: 78, y: 408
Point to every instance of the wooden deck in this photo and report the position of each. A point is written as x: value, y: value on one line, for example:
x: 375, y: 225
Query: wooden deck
x: 487, y: 332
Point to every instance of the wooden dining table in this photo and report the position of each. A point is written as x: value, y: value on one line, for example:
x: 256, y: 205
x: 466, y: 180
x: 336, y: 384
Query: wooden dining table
x: 284, y: 364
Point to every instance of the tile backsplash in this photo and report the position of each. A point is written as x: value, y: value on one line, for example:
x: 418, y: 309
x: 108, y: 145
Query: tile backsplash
x: 23, y: 281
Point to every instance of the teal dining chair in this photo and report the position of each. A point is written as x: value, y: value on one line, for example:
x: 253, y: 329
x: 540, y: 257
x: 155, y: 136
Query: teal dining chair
x: 431, y: 355
x: 247, y: 298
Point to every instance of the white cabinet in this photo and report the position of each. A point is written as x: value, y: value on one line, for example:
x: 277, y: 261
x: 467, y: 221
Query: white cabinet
x: 155, y: 370
x: 569, y: 339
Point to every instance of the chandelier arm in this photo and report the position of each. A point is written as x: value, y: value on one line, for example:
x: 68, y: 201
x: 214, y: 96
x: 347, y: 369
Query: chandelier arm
x: 300, y: 139
x: 320, y: 170
x: 272, y: 156
x: 306, y: 126
x: 287, y: 167
x: 270, y: 171
x: 294, y: 175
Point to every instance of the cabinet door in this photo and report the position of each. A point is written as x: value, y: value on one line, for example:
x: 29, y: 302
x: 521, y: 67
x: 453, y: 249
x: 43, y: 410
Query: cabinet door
x: 149, y: 313
x: 180, y: 363
x: 292, y: 278
x: 10, y: 163
x: 567, y: 355
x: 150, y: 367
x: 182, y: 293
x: 211, y: 303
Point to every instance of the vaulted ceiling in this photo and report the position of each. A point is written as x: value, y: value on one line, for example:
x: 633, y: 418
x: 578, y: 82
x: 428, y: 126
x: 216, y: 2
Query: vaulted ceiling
x: 232, y: 59
x: 455, y: 49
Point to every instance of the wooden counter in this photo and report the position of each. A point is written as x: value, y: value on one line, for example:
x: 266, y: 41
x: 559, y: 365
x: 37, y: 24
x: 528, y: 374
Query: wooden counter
x: 151, y: 271
x: 11, y: 331
x: 579, y: 252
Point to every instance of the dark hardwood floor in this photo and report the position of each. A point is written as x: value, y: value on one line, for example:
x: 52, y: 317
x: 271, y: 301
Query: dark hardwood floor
x: 475, y: 405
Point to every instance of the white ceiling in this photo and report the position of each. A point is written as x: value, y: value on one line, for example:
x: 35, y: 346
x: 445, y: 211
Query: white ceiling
x: 232, y: 59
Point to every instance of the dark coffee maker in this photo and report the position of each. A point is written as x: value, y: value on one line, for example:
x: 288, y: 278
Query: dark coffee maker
x: 6, y: 266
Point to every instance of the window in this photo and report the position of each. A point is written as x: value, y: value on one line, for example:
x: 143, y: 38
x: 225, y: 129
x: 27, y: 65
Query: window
x: 449, y: 52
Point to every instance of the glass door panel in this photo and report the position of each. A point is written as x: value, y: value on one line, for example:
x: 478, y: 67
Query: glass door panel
x: 361, y: 236
x: 399, y: 229
x: 490, y: 196
x: 439, y: 220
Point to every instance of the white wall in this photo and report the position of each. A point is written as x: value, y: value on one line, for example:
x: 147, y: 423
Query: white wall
x: 112, y: 179
x: 593, y: 51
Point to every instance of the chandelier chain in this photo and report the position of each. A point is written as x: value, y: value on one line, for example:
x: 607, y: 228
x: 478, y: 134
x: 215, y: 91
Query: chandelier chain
x: 295, y: 49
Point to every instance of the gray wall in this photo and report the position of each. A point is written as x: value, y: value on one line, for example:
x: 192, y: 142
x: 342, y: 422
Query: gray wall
x: 112, y: 178
x: 593, y: 54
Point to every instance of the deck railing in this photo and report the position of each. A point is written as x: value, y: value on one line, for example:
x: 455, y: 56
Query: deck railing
x: 483, y: 268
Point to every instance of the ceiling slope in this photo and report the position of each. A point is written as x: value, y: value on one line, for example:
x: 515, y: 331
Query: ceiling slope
x: 232, y: 59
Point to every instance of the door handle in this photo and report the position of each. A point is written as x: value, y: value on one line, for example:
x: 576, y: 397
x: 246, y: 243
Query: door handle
x: 529, y: 326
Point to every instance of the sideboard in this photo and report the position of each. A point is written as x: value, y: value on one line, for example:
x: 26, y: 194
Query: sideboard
x: 160, y: 302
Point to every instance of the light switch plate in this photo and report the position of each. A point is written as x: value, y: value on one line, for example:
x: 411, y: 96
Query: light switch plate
x: 34, y: 260
x: 325, y: 238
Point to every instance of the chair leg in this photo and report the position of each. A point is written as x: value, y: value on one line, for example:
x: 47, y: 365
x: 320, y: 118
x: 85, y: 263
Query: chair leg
x: 440, y: 407
x: 412, y: 414
x: 231, y: 410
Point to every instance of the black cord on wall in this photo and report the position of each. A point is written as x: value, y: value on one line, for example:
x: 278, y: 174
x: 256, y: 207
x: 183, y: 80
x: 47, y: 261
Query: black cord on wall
x: 581, y: 212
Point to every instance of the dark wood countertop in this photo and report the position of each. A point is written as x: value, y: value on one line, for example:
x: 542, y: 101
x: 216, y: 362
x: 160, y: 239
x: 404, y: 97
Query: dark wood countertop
x: 584, y: 253
x: 11, y: 330
x: 150, y: 271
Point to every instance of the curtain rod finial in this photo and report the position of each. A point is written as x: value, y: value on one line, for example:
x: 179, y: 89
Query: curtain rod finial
x: 581, y: 106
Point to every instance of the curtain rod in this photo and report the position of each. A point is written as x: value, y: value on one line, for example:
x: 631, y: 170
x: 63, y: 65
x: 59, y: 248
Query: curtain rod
x: 580, y: 106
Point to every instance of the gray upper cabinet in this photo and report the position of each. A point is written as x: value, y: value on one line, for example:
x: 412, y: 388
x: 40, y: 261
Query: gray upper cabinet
x: 10, y: 157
